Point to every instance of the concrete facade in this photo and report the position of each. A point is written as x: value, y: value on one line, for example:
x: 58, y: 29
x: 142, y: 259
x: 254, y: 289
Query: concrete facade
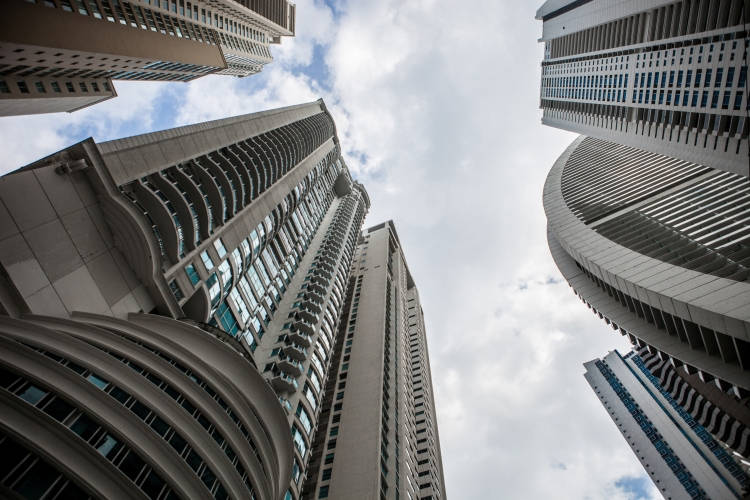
x: 68, y: 56
x: 243, y: 227
x: 378, y: 435
x: 693, y: 309
x: 680, y: 456
x: 148, y: 407
x: 661, y: 75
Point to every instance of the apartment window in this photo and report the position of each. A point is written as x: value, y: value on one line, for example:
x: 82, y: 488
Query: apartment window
x: 55, y: 87
x: 207, y: 262
x: 220, y: 248
x: 4, y: 87
x: 323, y: 492
x: 328, y: 459
x: 326, y: 474
x: 22, y: 87
x: 40, y: 87
x: 192, y: 274
x: 69, y: 87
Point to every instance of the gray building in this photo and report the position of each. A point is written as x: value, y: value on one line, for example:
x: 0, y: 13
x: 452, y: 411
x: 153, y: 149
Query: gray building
x: 377, y: 434
x: 682, y: 459
x: 646, y: 217
x: 62, y: 55
x: 658, y: 248
x: 661, y: 75
x: 243, y: 229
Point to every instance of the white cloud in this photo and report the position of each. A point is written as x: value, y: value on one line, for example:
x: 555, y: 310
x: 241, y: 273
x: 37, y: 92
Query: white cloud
x: 28, y: 138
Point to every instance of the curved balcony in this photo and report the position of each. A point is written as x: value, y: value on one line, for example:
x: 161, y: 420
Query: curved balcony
x: 284, y: 383
x: 290, y: 366
x: 295, y: 351
x: 301, y: 338
x: 307, y: 316
x: 317, y: 288
x: 322, y: 273
x: 312, y: 305
x: 304, y: 327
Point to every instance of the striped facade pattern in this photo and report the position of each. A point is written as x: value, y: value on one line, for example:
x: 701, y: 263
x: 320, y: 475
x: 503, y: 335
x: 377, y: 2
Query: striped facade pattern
x: 683, y: 214
x: 301, y: 359
x: 379, y: 394
x: 671, y: 284
x: 723, y: 426
x: 147, y: 407
x: 683, y: 460
x: 244, y: 227
x: 686, y: 17
x: 186, y: 202
x: 686, y: 58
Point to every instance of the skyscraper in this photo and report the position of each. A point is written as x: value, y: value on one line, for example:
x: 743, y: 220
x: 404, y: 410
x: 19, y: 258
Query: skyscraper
x: 682, y: 459
x: 62, y: 55
x: 244, y: 227
x: 237, y: 237
x: 665, y: 76
x: 377, y: 434
x: 646, y: 217
x: 658, y: 248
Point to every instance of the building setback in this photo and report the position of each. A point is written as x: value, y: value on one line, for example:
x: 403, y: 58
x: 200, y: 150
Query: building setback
x: 682, y: 459
x: 663, y: 75
x: 62, y: 55
x: 377, y: 435
x: 243, y: 227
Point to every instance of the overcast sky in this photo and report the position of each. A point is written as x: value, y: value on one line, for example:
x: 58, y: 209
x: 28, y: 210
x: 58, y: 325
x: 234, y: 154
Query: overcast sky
x: 437, y: 107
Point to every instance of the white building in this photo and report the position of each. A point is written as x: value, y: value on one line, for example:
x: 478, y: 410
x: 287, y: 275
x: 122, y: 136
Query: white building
x: 680, y: 456
x: 661, y: 75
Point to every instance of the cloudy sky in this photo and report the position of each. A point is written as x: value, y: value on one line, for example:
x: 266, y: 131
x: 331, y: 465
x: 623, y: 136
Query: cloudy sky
x: 436, y: 106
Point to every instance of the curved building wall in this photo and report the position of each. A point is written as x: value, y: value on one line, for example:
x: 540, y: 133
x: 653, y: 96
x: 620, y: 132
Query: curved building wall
x: 658, y: 248
x: 126, y: 408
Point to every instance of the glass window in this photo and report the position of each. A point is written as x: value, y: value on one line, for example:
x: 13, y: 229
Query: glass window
x: 214, y: 289
x: 192, y: 274
x: 97, y: 381
x: 299, y: 441
x: 176, y: 290
x: 304, y: 418
x: 33, y: 394
x: 227, y: 320
x: 318, y: 364
x: 207, y: 262
x: 311, y: 397
x: 313, y: 377
x: 225, y: 269
x: 240, y: 304
x: 219, y: 246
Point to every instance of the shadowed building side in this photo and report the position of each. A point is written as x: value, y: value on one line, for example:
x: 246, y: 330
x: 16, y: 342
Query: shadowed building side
x: 150, y: 406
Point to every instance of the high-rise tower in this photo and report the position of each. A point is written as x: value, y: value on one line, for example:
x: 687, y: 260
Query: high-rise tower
x: 665, y: 76
x: 243, y: 227
x: 62, y: 55
x: 682, y: 459
x: 647, y: 216
x: 377, y: 434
